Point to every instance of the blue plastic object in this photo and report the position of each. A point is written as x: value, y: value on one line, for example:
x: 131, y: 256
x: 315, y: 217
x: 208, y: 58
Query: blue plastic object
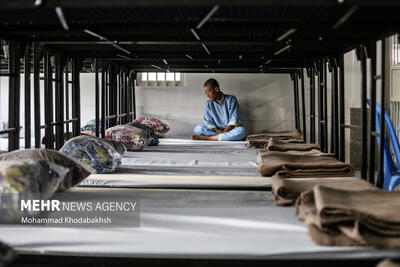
x: 391, y: 173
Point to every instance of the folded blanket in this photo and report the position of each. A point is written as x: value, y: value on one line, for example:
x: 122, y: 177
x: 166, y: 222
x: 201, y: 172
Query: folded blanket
x: 346, y: 217
x: 287, y: 190
x: 277, y: 145
x: 284, y: 164
x: 261, y: 139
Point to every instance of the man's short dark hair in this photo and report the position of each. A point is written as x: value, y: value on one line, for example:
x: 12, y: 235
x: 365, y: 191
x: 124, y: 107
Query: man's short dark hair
x: 212, y: 83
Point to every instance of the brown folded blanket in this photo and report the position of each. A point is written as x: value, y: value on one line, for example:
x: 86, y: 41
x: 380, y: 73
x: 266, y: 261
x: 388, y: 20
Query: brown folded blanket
x: 346, y: 217
x: 277, y: 145
x: 284, y: 164
x: 312, y: 152
x: 261, y: 139
x: 287, y: 190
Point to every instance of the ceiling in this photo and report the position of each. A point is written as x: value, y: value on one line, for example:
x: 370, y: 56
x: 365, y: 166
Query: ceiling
x: 201, y: 36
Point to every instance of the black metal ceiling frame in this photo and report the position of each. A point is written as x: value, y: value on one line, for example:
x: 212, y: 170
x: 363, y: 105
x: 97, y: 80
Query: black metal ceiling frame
x: 213, y: 63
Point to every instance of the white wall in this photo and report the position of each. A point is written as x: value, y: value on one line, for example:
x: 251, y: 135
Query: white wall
x: 266, y: 101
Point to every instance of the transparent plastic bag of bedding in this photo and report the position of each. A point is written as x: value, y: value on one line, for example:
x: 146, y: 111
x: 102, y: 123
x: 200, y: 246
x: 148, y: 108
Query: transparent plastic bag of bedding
x: 93, y: 151
x: 134, y: 139
x: 27, y: 179
x: 153, y: 139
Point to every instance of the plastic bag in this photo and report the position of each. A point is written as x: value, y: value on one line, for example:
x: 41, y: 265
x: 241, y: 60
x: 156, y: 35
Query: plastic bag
x: 93, y: 151
x: 158, y: 125
x: 153, y: 139
x: 90, y: 126
x: 134, y: 139
x: 77, y: 172
x: 26, y: 179
x: 121, y: 149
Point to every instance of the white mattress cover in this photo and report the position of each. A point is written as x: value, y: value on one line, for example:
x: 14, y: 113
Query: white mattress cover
x: 192, y: 160
x: 189, y: 224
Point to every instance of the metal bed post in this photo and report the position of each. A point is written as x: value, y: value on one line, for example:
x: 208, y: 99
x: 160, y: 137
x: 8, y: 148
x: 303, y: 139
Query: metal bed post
x: 342, y: 109
x: 123, y: 98
x: 59, y: 94
x: 66, y: 88
x: 126, y: 95
x: 133, y: 82
x: 111, y: 95
x: 372, y: 132
x: 103, y: 97
x: 96, y: 84
x: 303, y: 108
x: 320, y: 106
x: 335, y: 110
x: 382, y: 134
x: 36, y: 91
x: 296, y: 100
x: 48, y: 102
x: 76, y: 105
x: 129, y: 95
x: 312, y: 104
x: 27, y: 94
x: 107, y: 98
x: 332, y: 145
x: 364, y: 125
x: 115, y: 95
x: 325, y: 106
x: 14, y: 95
x: 118, y: 97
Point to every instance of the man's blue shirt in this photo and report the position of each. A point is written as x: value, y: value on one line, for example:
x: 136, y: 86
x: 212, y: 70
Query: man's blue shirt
x: 223, y: 114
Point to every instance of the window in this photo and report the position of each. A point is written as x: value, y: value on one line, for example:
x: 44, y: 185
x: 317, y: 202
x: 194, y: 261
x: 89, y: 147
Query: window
x: 159, y: 79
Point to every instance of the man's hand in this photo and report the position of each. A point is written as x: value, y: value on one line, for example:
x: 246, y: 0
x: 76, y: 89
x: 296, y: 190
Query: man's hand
x: 227, y: 129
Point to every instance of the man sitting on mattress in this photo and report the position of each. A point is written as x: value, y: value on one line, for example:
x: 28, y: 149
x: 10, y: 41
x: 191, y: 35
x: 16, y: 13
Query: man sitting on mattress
x: 220, y: 115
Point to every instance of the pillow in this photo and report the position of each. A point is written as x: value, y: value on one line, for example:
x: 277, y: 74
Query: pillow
x: 155, y: 124
x: 77, y: 172
x: 153, y: 139
x: 134, y: 139
x: 93, y: 151
x: 26, y: 179
x: 121, y: 149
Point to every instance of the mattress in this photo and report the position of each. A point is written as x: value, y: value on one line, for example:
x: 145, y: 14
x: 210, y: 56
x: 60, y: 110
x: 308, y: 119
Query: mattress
x: 185, y: 163
x: 185, y: 156
x: 220, y: 224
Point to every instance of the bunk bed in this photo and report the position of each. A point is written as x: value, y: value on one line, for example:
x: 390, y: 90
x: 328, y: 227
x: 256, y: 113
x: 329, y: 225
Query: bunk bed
x: 225, y: 213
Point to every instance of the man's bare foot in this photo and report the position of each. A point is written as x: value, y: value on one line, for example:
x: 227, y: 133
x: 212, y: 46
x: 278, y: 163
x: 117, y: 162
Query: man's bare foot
x: 202, y: 137
x: 195, y: 137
